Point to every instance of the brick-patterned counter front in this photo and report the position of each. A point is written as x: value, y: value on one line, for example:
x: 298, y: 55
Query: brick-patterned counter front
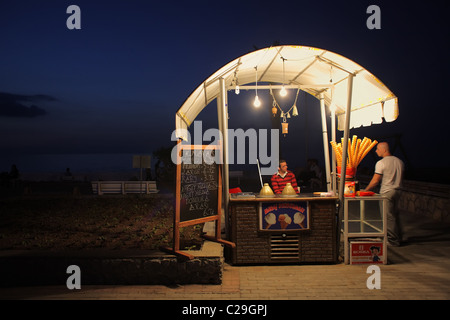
x: 253, y: 246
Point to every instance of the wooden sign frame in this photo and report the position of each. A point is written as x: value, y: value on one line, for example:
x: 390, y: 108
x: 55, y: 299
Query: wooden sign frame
x: 177, y: 223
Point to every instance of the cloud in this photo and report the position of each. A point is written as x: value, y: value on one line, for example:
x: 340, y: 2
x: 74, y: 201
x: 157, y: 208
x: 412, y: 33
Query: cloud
x: 15, y: 105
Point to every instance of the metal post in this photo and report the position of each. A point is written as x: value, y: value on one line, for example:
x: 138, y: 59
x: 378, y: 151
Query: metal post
x: 333, y: 138
x: 222, y: 111
x: 346, y: 251
x: 333, y: 156
x: 325, y: 142
x: 344, y: 156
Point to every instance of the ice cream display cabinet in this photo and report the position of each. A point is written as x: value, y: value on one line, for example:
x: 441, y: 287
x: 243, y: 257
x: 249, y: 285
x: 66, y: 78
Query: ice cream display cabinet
x: 365, y: 230
x: 270, y: 230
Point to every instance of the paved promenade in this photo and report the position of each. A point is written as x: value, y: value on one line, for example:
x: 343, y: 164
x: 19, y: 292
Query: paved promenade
x: 419, y: 270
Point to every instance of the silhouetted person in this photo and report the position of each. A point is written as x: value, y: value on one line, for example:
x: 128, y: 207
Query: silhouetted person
x: 148, y: 174
x: 13, y: 175
x: 158, y: 170
x: 14, y: 172
x: 311, y: 176
x: 313, y: 165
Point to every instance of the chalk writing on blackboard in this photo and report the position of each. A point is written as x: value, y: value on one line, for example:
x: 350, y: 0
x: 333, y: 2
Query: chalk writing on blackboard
x: 199, y: 185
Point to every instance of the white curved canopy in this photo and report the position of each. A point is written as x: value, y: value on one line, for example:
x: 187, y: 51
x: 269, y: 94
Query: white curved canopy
x: 307, y: 68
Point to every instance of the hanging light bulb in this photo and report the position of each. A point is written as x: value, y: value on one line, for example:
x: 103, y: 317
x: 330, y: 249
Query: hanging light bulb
x: 294, y: 111
x: 236, y: 90
x: 257, y: 103
x: 283, y: 91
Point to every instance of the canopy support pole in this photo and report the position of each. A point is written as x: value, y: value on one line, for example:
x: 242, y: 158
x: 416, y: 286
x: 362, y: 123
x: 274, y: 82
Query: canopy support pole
x: 222, y: 115
x: 344, y: 158
x: 333, y: 138
x: 325, y: 142
x: 333, y: 156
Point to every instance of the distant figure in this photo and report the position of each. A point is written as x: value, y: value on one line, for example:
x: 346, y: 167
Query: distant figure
x: 14, y: 173
x: 148, y: 174
x: 389, y: 172
x: 282, y: 177
x: 311, y: 176
x: 313, y: 165
x: 13, y: 176
x: 158, y: 170
x: 316, y: 174
x: 67, y: 175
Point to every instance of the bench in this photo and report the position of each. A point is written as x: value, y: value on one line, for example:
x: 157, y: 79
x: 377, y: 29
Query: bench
x: 123, y: 187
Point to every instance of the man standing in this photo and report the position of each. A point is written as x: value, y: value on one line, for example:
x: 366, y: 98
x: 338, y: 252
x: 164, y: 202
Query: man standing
x: 282, y: 177
x: 389, y: 171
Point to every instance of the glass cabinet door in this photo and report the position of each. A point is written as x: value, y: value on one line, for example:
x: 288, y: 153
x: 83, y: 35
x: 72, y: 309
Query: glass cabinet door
x: 365, y: 216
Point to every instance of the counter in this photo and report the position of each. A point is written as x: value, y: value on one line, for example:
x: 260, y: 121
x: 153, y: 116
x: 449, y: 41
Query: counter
x: 296, y: 229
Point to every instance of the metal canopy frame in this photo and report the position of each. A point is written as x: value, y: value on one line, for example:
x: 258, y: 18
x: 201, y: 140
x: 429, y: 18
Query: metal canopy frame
x: 222, y: 112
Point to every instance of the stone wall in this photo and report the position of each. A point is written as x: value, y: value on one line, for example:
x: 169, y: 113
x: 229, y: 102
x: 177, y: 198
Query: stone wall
x: 25, y: 268
x: 422, y: 198
x: 426, y: 199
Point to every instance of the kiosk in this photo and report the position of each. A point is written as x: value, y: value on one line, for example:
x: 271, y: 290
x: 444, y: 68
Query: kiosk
x: 354, y: 96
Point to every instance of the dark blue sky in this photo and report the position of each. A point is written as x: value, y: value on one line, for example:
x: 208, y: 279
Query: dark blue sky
x: 114, y: 86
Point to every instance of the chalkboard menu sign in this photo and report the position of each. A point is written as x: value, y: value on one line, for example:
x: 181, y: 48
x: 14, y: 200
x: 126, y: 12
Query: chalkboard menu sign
x: 198, y: 192
x: 199, y: 184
